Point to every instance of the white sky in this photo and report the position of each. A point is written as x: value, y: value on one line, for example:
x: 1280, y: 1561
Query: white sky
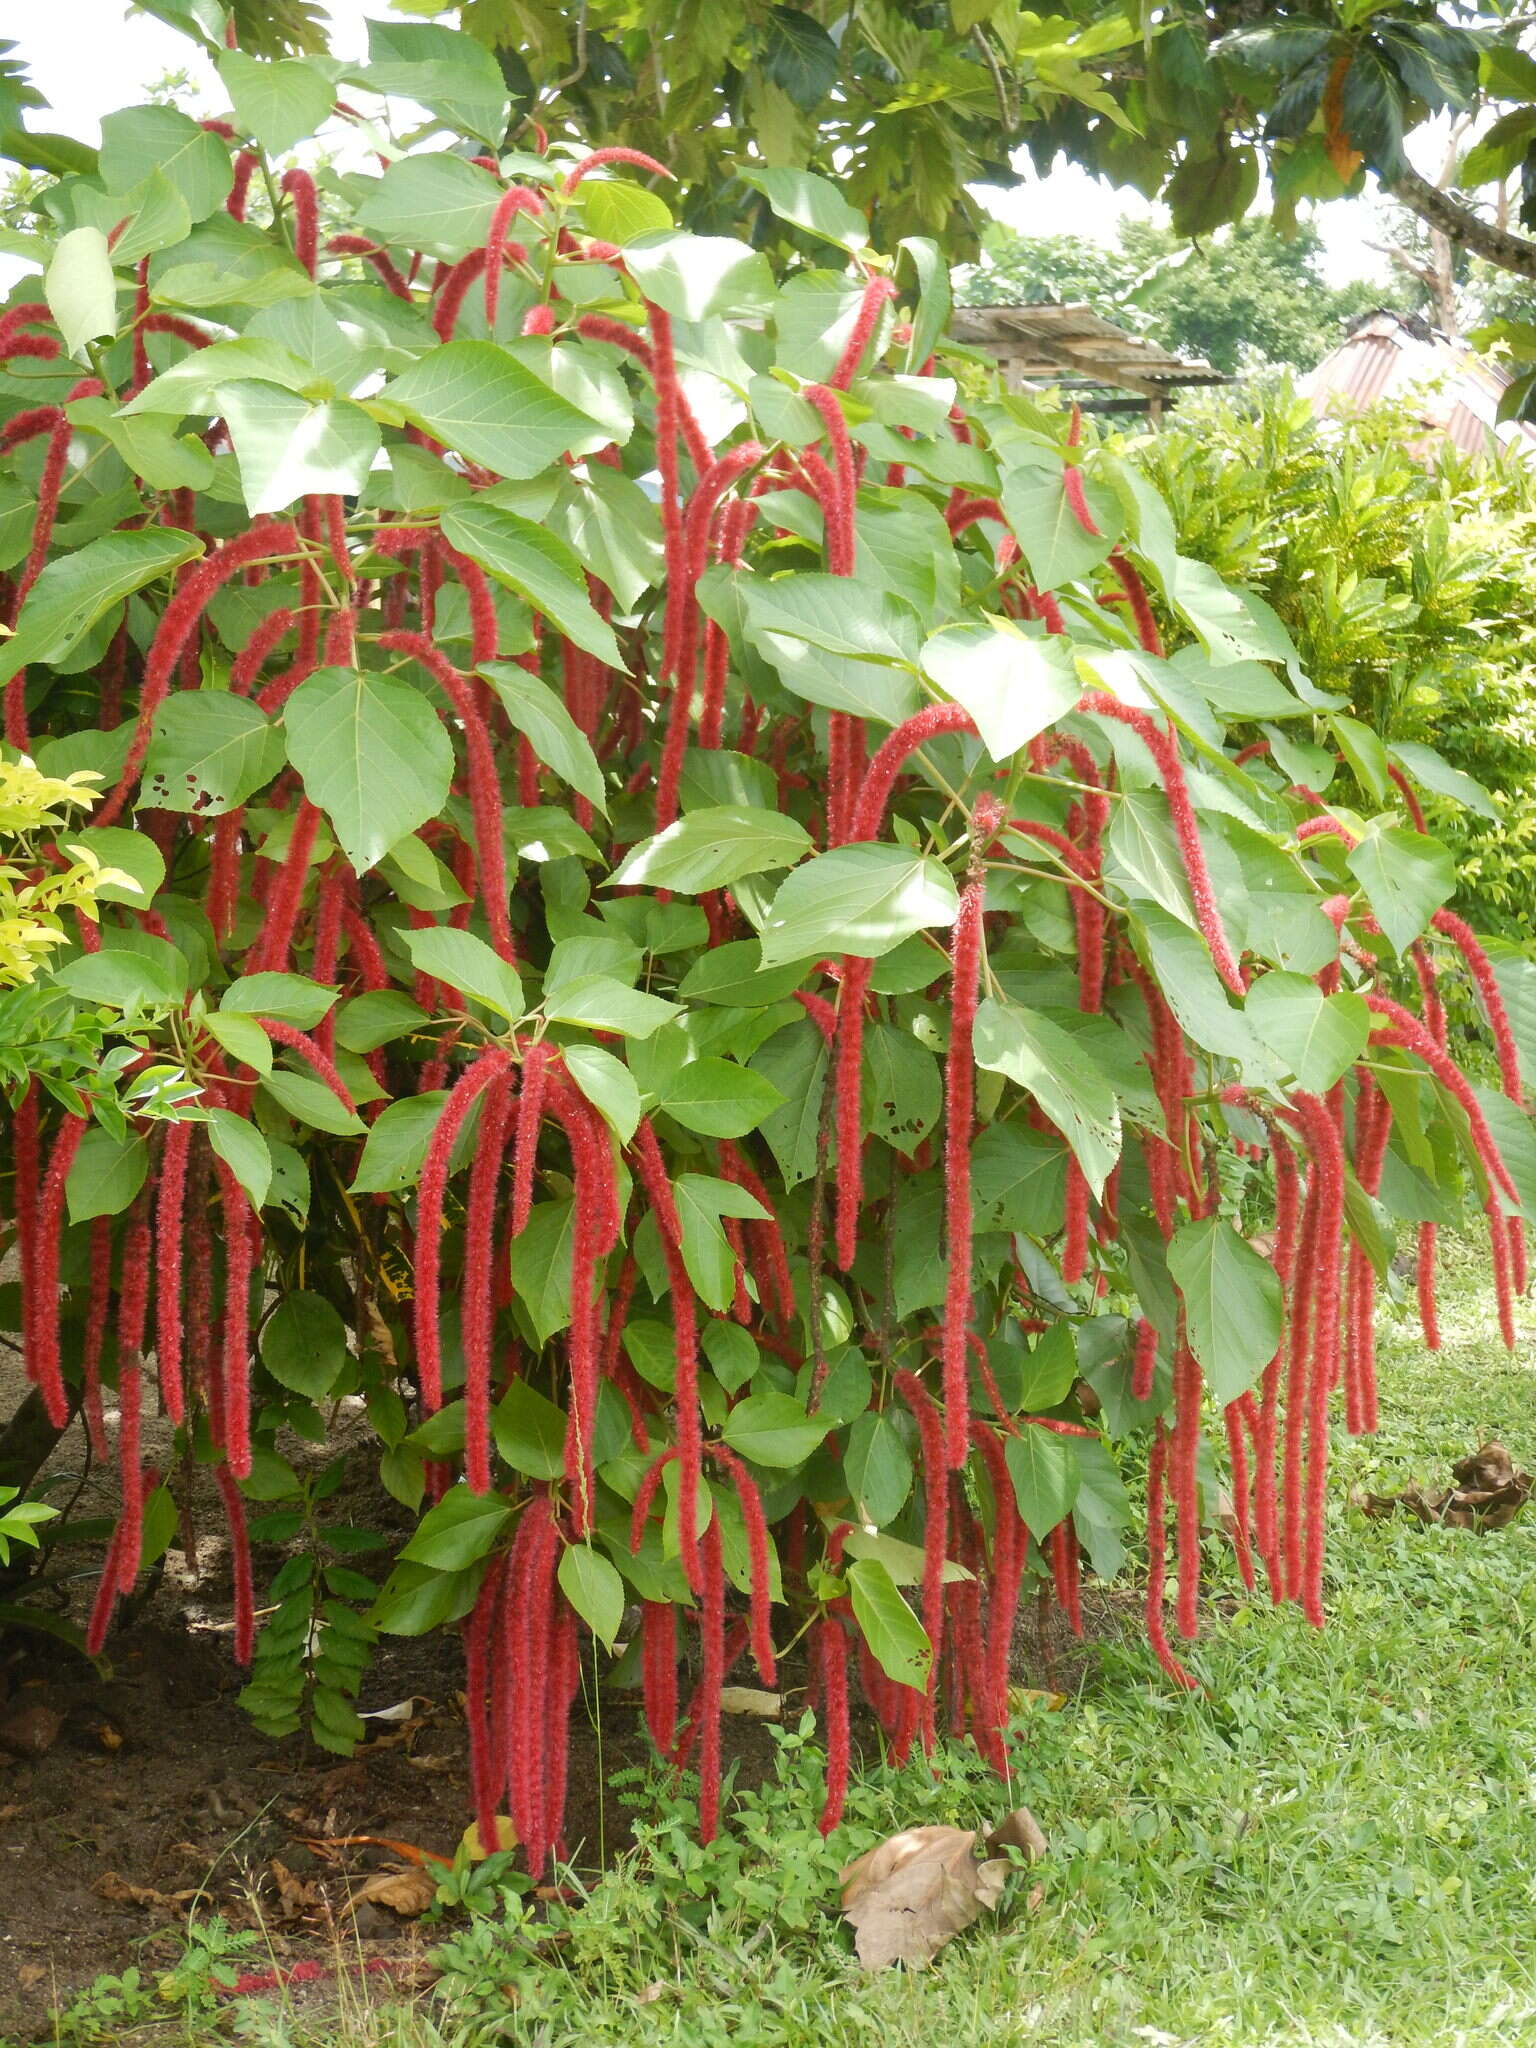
x: 88, y: 57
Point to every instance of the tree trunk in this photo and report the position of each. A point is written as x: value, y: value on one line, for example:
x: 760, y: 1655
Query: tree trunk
x: 27, y: 1442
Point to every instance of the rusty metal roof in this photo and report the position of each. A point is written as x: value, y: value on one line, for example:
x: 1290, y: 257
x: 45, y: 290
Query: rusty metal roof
x: 1074, y: 345
x: 1457, y: 392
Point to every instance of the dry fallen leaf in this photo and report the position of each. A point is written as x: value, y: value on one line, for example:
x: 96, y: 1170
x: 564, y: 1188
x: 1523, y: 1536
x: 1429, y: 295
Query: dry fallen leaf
x: 909, y: 1895
x: 402, y: 1710
x: 745, y: 1699
x: 407, y: 1892
x: 1488, y: 1494
x: 119, y: 1891
x: 1021, y: 1698
x: 295, y: 1899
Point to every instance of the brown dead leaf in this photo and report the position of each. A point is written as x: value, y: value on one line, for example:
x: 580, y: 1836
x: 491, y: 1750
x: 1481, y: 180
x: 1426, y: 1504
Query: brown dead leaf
x: 295, y: 1900
x: 407, y: 1891
x: 911, y: 1894
x: 746, y: 1699
x: 120, y: 1891
x: 1021, y: 1831
x: 1488, y: 1470
x: 1488, y: 1494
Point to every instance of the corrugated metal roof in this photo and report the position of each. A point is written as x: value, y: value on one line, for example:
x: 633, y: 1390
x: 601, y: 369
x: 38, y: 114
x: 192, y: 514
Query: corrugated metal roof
x: 1458, y: 391
x: 1048, y: 343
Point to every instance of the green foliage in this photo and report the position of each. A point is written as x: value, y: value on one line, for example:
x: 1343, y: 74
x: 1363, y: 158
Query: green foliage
x: 907, y: 106
x: 544, y: 740
x: 19, y: 1521
x: 1402, y: 573
x: 315, y: 1646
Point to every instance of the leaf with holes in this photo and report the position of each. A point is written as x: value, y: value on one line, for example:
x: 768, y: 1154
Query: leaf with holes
x: 209, y: 752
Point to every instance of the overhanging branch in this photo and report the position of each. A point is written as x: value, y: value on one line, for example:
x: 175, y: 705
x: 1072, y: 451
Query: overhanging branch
x: 1458, y: 223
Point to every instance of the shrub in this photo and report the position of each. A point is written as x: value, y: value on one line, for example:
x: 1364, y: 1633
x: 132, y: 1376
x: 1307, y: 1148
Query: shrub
x: 1399, y: 567
x: 738, y: 943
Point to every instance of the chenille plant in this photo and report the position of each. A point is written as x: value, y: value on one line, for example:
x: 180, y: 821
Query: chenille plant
x: 746, y: 933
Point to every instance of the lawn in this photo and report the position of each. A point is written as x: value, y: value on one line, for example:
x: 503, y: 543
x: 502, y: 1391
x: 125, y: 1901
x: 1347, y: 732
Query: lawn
x: 1333, y: 1844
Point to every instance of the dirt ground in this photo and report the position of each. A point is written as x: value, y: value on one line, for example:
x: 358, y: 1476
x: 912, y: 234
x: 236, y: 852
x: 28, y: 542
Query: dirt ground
x: 157, y: 1796
x: 153, y: 1794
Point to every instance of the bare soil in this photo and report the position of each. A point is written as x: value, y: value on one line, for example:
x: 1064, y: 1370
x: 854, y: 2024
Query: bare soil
x: 154, y: 1795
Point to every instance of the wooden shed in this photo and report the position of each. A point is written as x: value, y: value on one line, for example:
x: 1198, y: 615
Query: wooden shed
x: 1082, y: 354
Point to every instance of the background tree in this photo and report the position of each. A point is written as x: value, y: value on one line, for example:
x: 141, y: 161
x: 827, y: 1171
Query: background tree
x: 908, y: 105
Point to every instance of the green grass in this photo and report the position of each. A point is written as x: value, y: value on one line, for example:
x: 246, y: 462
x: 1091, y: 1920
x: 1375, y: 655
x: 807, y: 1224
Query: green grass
x: 1334, y: 1844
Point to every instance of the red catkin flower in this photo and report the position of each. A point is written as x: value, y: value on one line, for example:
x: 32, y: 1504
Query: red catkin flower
x: 246, y: 165
x: 1077, y: 500
x: 1156, y: 1621
x: 1424, y: 1283
x: 525, y: 1137
x: 98, y: 1306
x: 878, y: 292
x: 359, y: 245
x: 1141, y: 605
x: 1237, y: 1454
x: 1406, y: 789
x: 615, y: 155
x: 832, y: 1667
x: 712, y: 1628
x: 240, y: 1236
x: 646, y: 1154
x: 299, y: 187
x: 515, y: 200
x: 471, y: 1084
x: 935, y: 1529
x: 240, y: 1561
x: 42, y: 1285
x: 484, y: 1782
x: 1184, y: 1485
x: 270, y: 953
x: 324, y: 1066
x: 1066, y: 1571
x: 1327, y: 1174
x: 132, y: 1318
x: 169, y: 1199
x: 658, y: 1624
x: 484, y: 783
x: 1144, y: 1365
x: 760, y: 1558
x: 848, y: 1107
x: 779, y: 1295
x: 1287, y: 1217
x: 1161, y: 746
x: 959, y: 1114
x: 477, y: 1313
